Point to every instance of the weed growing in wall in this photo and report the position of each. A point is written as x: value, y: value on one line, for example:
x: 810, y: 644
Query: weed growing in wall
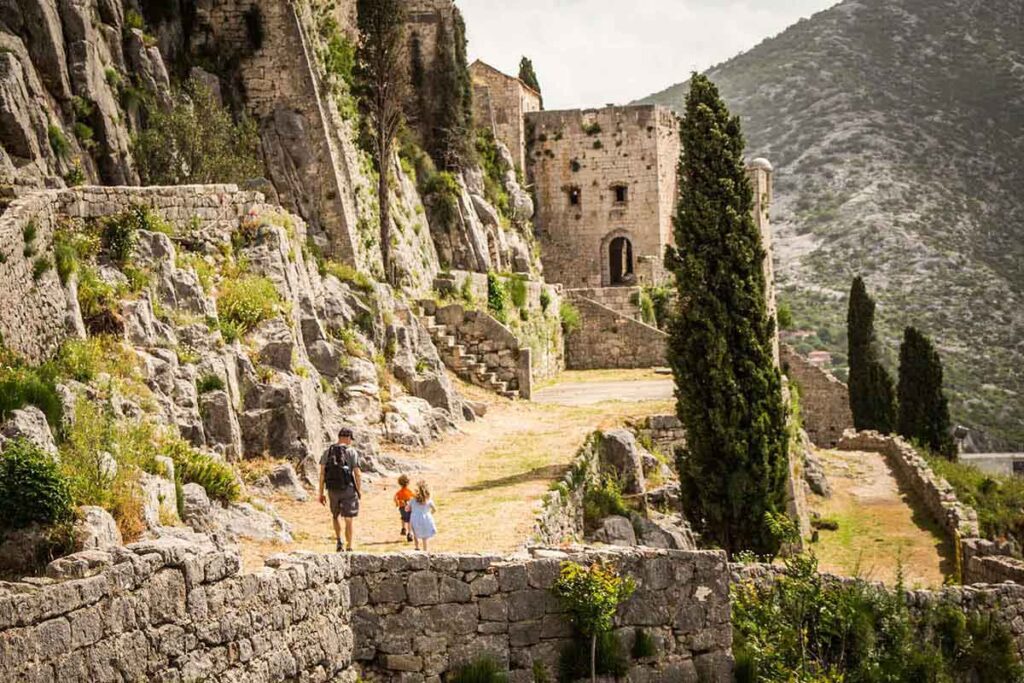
x: 570, y: 315
x: 497, y: 297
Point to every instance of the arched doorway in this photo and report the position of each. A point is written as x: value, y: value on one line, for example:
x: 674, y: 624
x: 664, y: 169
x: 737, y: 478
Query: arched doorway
x: 620, y: 261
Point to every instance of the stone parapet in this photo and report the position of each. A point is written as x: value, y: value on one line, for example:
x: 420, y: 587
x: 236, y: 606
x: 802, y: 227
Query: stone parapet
x: 561, y: 516
x: 608, y: 339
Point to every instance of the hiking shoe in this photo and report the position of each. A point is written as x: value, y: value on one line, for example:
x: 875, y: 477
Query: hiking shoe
x: 402, y: 532
x: 340, y: 547
x: 408, y: 538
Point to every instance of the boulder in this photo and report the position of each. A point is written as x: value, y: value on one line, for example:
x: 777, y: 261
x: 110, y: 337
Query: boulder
x: 621, y: 454
x: 438, y: 391
x: 28, y: 423
x: 325, y: 357
x: 220, y: 423
x: 95, y: 529
x: 154, y: 250
x: 814, y: 475
x: 244, y: 520
x: 615, y: 530
x: 284, y: 479
x: 197, y: 507
x: 665, y: 531
x: 282, y: 418
x: 22, y: 550
x: 159, y: 501
x: 274, y: 344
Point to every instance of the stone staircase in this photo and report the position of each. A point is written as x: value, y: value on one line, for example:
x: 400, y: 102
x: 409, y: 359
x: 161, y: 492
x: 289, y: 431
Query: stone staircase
x: 469, y: 366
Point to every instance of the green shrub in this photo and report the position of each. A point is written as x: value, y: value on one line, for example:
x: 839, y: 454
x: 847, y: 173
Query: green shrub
x: 96, y: 298
x: 346, y: 273
x: 497, y: 297
x: 246, y: 301
x: 29, y: 232
x: 999, y: 500
x: 494, y: 169
x: 39, y: 267
x: 466, y: 291
x: 643, y: 645
x: 603, y: 501
x: 194, y: 467
x: 230, y: 331
x: 76, y: 176
x: 70, y: 248
x: 517, y: 291
x: 133, y: 20
x: 23, y: 386
x: 784, y: 316
x: 85, y: 135
x: 642, y: 300
x: 480, y: 670
x: 592, y: 128
x: 441, y: 193
x: 32, y: 487
x: 197, y: 141
x: 120, y: 235
x: 58, y: 141
x: 545, y: 299
x: 570, y: 315
x: 802, y: 627
x: 82, y: 359
x: 208, y: 383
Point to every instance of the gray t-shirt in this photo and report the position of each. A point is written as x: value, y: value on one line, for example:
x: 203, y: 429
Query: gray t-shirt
x: 351, y: 456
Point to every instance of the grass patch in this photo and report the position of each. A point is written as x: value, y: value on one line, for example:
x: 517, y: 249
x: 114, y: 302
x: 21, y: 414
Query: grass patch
x: 347, y: 274
x: 246, y: 301
x: 603, y: 501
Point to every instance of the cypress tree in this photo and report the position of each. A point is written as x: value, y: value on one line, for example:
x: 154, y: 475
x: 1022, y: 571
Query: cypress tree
x: 924, y: 411
x: 452, y: 92
x: 733, y: 468
x: 528, y: 76
x: 872, y: 396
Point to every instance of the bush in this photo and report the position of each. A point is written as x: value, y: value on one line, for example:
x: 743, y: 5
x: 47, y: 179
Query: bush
x: 480, y: 670
x: 23, y: 386
x: 82, y: 359
x: 197, y: 142
x: 32, y: 487
x: 545, y: 299
x: 96, y: 298
x: 208, y: 383
x: 494, y: 169
x: 570, y: 315
x: 39, y: 268
x: 574, y: 660
x: 248, y: 300
x: 517, y: 291
x: 120, y: 235
x: 642, y: 300
x: 58, y: 141
x: 70, y: 248
x: 193, y: 467
x: 999, y: 500
x: 441, y: 193
x: 497, y: 296
x: 603, y: 501
x: 802, y: 627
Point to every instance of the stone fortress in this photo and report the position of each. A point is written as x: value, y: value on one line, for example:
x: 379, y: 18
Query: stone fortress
x: 605, y: 184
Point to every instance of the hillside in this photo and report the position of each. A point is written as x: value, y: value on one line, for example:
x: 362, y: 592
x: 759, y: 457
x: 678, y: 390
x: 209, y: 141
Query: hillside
x: 896, y: 129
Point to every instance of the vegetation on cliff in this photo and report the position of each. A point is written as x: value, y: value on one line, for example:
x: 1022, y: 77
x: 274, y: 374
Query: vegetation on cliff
x: 733, y: 466
x: 872, y: 396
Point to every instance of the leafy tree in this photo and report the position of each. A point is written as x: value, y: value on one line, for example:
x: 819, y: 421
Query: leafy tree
x: 924, y: 411
x: 591, y: 595
x: 449, y: 142
x: 528, y: 76
x: 734, y: 465
x: 872, y: 397
x: 381, y: 84
x: 197, y: 141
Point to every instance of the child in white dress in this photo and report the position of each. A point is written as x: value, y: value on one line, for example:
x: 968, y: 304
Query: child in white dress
x: 421, y: 509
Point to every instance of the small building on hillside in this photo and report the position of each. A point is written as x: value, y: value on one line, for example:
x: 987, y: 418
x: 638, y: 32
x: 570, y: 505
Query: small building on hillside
x: 501, y: 103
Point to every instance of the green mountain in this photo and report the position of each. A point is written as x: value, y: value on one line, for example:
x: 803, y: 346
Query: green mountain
x: 896, y: 128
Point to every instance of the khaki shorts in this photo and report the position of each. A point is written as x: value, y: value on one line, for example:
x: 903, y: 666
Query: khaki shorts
x: 344, y: 502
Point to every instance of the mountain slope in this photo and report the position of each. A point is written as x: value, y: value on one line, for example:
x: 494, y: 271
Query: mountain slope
x: 897, y: 132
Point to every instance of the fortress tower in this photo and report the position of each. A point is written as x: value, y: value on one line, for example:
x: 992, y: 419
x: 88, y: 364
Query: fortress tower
x: 501, y: 103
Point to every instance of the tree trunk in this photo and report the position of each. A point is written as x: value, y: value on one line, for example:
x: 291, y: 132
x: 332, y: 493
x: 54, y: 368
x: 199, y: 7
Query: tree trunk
x: 384, y: 202
x: 593, y: 658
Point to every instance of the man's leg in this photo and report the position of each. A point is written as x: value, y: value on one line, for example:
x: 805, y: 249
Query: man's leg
x: 348, y: 532
x: 337, y: 528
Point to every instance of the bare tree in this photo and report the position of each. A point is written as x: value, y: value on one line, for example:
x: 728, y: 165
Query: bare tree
x: 381, y: 78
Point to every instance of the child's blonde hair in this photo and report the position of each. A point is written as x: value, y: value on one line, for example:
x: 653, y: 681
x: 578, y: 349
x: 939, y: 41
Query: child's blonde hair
x: 422, y: 492
x: 403, y: 480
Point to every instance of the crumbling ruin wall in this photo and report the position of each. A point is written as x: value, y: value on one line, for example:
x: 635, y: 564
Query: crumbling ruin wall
x: 824, y: 400
x: 607, y: 339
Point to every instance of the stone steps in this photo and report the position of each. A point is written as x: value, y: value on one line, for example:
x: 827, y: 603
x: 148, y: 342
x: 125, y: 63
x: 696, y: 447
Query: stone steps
x: 469, y: 367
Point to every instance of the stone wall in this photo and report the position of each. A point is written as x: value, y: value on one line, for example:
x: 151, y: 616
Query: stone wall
x: 824, y: 400
x: 415, y: 617
x: 561, y: 517
x: 174, y: 610
x: 501, y: 102
x: 32, y: 311
x: 622, y: 300
x: 607, y: 339
x: 664, y: 432
x: 591, y: 153
x: 180, y: 610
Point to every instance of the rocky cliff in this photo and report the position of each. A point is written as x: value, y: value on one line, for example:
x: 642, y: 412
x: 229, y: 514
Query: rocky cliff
x: 896, y: 129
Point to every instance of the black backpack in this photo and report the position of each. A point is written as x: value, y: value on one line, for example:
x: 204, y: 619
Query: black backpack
x: 338, y: 474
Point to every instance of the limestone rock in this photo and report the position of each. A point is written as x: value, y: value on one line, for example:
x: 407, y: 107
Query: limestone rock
x: 28, y: 423
x: 244, y: 520
x: 615, y: 530
x: 220, y: 423
x: 487, y: 214
x: 621, y: 454
x: 814, y: 475
x: 437, y: 390
x: 325, y: 357
x: 95, y: 529
x: 159, y: 501
x: 284, y: 479
x: 665, y: 531
x: 274, y: 344
x: 22, y: 549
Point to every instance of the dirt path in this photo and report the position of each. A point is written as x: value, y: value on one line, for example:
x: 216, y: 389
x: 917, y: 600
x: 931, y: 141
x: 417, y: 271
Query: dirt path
x: 487, y: 480
x: 879, y: 528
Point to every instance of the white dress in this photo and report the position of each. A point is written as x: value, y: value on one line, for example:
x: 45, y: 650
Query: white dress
x: 422, y: 519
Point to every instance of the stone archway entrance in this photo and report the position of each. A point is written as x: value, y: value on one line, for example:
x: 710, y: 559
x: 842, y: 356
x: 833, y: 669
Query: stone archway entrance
x: 620, y: 261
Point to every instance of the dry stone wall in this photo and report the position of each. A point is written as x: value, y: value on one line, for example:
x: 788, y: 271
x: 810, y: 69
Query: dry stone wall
x: 664, y: 432
x: 180, y: 610
x: 33, y: 309
x: 561, y: 516
x: 824, y: 400
x: 608, y: 339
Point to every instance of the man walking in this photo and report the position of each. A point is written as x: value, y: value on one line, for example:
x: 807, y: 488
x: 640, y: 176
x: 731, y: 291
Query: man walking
x: 339, y: 472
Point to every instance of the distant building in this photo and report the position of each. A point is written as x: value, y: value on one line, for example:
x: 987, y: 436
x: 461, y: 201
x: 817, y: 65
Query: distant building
x: 501, y: 103
x: 995, y: 463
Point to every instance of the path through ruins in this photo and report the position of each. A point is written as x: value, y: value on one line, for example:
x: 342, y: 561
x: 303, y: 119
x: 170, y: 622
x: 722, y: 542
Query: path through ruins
x: 880, y: 527
x: 489, y: 479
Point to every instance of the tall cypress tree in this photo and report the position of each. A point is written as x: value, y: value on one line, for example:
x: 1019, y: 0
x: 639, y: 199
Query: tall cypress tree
x: 452, y: 92
x: 528, y: 76
x: 729, y: 391
x: 924, y: 411
x: 872, y: 396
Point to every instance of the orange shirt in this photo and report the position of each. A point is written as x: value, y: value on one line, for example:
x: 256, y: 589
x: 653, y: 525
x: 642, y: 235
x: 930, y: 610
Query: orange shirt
x: 403, y: 496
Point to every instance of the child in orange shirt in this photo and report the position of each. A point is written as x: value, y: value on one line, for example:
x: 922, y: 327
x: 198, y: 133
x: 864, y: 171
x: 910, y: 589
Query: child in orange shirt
x: 402, y: 498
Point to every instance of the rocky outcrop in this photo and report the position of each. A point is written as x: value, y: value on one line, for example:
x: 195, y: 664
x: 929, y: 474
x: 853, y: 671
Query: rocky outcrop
x: 29, y: 424
x: 624, y: 458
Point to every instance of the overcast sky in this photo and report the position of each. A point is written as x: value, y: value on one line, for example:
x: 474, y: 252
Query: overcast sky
x: 588, y: 53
